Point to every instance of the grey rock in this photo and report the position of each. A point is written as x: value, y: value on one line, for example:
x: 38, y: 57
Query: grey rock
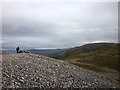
x: 26, y: 70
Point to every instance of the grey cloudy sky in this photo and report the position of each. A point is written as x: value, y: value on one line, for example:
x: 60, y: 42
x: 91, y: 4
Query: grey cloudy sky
x: 58, y: 25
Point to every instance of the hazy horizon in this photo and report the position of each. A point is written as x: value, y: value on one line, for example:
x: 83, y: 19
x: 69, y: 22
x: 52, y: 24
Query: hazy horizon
x: 58, y: 25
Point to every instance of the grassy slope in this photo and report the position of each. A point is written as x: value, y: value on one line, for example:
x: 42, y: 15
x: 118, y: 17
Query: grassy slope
x: 97, y: 60
x: 102, y: 59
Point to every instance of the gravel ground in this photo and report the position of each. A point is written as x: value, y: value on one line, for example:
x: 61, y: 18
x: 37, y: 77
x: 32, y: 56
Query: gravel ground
x: 31, y: 70
x: 0, y: 71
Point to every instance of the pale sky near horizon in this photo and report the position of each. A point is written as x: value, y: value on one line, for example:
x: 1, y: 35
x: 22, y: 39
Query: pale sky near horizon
x: 58, y: 25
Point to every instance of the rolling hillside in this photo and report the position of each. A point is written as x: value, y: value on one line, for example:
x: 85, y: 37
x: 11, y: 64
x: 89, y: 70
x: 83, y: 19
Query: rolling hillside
x: 93, y: 56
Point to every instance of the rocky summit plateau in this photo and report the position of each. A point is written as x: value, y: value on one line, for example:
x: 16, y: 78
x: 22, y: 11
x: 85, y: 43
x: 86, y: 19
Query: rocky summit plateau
x: 26, y: 70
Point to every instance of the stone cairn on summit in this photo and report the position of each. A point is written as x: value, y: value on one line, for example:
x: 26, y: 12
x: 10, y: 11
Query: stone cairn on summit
x: 24, y: 51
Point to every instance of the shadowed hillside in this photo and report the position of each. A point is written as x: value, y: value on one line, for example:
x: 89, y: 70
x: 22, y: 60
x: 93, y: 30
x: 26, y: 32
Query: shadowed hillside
x: 76, y: 51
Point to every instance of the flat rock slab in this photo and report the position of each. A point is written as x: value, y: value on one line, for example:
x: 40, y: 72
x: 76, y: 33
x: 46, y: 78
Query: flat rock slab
x: 31, y: 70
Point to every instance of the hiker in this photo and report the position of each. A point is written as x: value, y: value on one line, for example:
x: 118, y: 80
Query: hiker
x: 17, y: 49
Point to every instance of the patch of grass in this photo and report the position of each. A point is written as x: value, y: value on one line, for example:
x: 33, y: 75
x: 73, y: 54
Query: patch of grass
x: 108, y: 62
x: 107, y: 58
x: 91, y: 67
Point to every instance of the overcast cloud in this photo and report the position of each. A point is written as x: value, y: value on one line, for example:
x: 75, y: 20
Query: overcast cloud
x: 58, y: 25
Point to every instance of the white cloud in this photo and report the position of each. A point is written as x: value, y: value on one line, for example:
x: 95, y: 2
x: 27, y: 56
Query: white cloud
x: 56, y: 25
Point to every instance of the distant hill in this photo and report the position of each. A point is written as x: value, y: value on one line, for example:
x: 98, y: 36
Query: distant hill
x: 73, y: 52
x: 47, y: 52
x: 93, y: 56
x: 10, y: 51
